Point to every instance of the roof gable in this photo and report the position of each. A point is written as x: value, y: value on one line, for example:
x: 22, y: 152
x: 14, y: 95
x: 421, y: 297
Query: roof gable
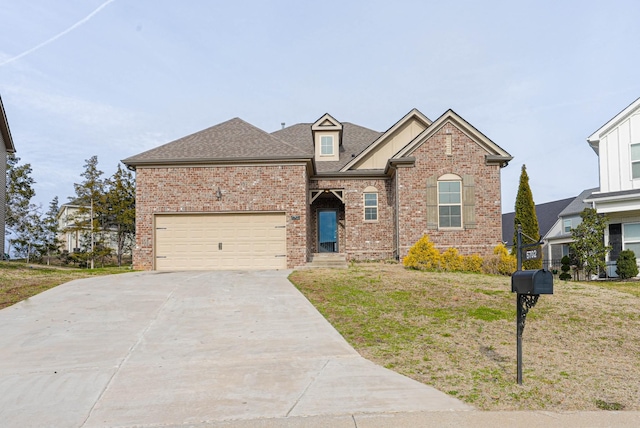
x: 594, y: 139
x: 326, y: 123
x: 495, y: 153
x: 233, y: 140
x: 390, y: 142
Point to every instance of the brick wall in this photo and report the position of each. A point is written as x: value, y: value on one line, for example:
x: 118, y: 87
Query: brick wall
x: 244, y: 188
x: 359, y: 239
x: 466, y: 158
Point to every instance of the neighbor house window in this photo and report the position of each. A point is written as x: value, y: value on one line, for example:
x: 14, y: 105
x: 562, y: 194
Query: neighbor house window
x: 449, y: 204
x: 635, y: 160
x: 326, y: 145
x: 631, y: 237
x: 370, y: 204
x: 567, y: 226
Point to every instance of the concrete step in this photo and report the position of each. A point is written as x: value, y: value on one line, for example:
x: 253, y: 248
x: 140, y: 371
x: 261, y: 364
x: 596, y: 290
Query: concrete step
x: 327, y: 260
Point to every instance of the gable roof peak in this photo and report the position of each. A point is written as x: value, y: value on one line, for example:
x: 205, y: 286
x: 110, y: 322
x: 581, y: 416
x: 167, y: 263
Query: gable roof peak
x: 594, y: 139
x: 326, y: 123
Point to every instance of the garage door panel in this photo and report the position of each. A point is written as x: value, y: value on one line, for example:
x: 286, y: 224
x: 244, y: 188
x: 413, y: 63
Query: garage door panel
x: 192, y: 241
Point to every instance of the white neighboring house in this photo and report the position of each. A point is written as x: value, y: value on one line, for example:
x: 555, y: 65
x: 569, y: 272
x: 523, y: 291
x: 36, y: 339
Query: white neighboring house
x: 6, y: 147
x: 617, y: 144
x: 72, y: 238
x: 558, y: 238
x: 69, y: 239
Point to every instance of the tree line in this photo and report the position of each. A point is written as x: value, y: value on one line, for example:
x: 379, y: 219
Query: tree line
x: 103, y: 217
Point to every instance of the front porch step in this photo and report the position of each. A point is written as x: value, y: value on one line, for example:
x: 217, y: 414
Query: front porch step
x: 327, y: 260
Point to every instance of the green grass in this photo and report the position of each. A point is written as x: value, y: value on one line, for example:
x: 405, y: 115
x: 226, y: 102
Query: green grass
x: 19, y: 281
x: 457, y: 333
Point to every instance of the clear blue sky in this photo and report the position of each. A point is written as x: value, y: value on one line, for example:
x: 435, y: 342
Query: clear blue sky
x: 114, y: 78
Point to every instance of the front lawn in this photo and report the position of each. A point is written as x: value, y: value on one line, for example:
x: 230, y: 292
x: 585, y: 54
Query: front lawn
x: 457, y: 332
x: 19, y: 281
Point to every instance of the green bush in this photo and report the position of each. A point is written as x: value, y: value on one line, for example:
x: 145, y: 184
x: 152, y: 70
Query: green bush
x: 626, y: 265
x: 565, y: 268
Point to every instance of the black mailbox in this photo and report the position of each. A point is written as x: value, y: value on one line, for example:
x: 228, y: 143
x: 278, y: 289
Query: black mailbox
x: 536, y: 281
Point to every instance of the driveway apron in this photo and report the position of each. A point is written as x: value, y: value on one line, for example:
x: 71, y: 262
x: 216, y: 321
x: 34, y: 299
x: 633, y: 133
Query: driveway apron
x: 152, y: 348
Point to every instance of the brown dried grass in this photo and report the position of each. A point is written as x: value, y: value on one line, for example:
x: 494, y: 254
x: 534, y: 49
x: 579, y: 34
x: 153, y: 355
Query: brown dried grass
x: 457, y: 333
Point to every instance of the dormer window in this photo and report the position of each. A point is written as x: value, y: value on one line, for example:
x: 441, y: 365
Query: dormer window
x: 327, y: 134
x: 326, y: 145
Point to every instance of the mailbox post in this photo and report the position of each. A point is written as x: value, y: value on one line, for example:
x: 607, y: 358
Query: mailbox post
x: 528, y: 285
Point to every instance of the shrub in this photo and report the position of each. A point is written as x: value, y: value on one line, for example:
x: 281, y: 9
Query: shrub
x: 451, y: 261
x: 565, y: 268
x: 423, y: 255
x: 501, y: 262
x: 472, y: 263
x: 626, y: 265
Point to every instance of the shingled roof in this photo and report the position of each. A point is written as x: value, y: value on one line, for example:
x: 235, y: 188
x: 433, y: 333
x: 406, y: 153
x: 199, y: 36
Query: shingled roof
x: 234, y: 139
x: 547, y: 215
x: 355, y: 139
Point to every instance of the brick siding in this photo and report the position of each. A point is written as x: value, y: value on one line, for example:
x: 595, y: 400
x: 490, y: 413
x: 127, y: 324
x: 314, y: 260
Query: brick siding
x: 244, y: 188
x: 467, y: 158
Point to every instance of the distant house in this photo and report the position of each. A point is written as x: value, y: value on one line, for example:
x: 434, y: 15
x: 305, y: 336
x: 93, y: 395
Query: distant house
x: 547, y: 215
x: 617, y: 144
x: 236, y: 197
x: 6, y: 147
x: 558, y: 237
x: 73, y: 230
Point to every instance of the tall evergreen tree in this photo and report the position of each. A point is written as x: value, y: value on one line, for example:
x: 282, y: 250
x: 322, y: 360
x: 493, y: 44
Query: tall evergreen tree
x: 51, y: 242
x: 19, y: 192
x: 119, y: 210
x: 90, y: 196
x: 525, y: 215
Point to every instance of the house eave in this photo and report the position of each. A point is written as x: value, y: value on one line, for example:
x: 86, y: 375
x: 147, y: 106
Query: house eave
x: 496, y: 159
x: 352, y: 174
x: 133, y: 163
x: 5, y: 131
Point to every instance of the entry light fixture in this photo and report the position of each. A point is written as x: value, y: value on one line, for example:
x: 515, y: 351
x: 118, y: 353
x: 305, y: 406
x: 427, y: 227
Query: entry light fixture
x: 219, y: 194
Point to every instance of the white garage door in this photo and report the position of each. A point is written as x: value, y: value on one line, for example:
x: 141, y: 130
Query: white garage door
x: 220, y: 241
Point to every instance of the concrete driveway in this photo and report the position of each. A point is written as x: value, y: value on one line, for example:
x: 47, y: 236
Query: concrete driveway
x: 152, y: 348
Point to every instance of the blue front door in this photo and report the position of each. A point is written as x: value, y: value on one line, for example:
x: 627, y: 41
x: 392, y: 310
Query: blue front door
x: 327, y: 231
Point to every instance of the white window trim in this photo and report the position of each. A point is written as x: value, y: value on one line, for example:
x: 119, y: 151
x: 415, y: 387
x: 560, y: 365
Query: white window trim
x: 630, y: 241
x: 369, y: 191
x: 632, y: 160
x: 564, y: 225
x: 330, y: 138
x: 445, y: 180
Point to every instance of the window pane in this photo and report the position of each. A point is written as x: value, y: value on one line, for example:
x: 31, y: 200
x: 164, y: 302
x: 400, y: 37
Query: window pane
x: 449, y: 192
x: 370, y: 199
x: 326, y: 145
x: 371, y: 213
x: 635, y: 152
x: 633, y: 247
x: 567, y: 226
x: 631, y: 232
x: 450, y: 216
x: 635, y: 169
